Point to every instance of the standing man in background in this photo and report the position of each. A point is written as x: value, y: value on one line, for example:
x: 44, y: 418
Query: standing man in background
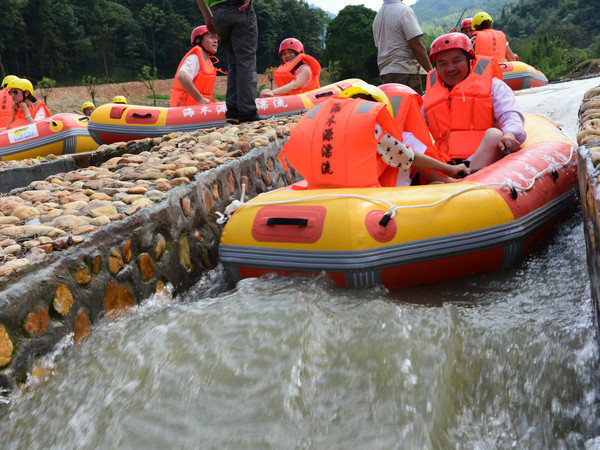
x: 235, y: 23
x: 400, y: 51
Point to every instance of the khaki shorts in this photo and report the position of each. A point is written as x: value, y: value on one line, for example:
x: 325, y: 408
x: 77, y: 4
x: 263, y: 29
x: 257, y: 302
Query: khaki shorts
x: 408, y: 79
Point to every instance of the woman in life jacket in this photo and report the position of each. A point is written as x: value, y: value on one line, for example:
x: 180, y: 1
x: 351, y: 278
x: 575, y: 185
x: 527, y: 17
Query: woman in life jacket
x: 490, y: 42
x: 26, y: 108
x: 349, y: 141
x: 471, y: 113
x: 196, y: 75
x: 297, y: 73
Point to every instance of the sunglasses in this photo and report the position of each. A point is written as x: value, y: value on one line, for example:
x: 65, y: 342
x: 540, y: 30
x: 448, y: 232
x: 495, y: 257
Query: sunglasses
x: 14, y: 91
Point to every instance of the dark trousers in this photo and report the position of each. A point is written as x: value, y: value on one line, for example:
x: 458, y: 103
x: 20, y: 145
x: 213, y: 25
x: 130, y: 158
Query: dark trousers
x: 238, y: 33
x: 407, y: 79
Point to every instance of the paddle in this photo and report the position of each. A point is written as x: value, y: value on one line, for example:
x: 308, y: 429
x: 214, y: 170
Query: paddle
x: 459, y: 19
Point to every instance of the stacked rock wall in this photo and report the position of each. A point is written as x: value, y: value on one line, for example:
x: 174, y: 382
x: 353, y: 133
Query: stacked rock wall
x: 89, y: 242
x: 588, y: 139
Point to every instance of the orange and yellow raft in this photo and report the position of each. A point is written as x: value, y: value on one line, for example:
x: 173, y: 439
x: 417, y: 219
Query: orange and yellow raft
x: 436, y: 232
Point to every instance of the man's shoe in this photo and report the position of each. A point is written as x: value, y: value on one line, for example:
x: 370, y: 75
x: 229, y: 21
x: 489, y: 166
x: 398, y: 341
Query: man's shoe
x: 232, y: 120
x: 252, y: 118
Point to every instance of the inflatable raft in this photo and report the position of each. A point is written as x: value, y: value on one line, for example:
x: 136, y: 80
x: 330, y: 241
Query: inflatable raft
x: 115, y: 123
x: 402, y: 236
x: 60, y: 134
x: 519, y: 75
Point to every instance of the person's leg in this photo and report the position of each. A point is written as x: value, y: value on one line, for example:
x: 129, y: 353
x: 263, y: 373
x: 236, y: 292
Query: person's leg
x: 225, y: 19
x: 244, y: 40
x: 411, y: 80
x: 488, y: 151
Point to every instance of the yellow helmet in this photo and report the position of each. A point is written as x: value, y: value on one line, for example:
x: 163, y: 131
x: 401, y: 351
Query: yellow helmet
x: 87, y: 105
x: 21, y: 83
x: 479, y: 18
x: 120, y: 99
x: 368, y: 92
x: 7, y: 79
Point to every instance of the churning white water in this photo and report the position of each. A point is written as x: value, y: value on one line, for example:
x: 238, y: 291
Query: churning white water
x: 499, y: 360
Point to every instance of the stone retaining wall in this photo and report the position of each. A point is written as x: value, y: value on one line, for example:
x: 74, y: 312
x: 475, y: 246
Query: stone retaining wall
x: 126, y: 261
x: 588, y: 164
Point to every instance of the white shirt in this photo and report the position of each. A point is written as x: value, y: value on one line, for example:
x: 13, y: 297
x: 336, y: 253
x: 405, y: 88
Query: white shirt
x: 394, y: 25
x: 191, y: 66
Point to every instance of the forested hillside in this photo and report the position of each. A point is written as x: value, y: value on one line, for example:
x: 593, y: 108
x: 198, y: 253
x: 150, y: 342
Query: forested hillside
x: 66, y: 40
x: 112, y: 40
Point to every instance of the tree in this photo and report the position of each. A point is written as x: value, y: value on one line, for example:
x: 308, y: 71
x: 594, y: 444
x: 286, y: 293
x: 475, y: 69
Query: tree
x: 90, y: 83
x: 149, y: 77
x: 349, y: 46
x: 46, y: 86
x: 152, y: 19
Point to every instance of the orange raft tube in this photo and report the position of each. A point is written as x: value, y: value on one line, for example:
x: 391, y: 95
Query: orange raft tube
x: 430, y: 233
x: 519, y: 75
x: 60, y: 134
x: 115, y: 123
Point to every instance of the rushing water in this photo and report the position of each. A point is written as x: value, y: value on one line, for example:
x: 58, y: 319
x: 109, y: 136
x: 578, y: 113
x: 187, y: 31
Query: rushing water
x: 499, y: 360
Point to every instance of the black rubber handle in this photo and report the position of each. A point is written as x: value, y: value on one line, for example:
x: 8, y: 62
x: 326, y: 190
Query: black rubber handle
x: 324, y: 94
x: 287, y: 221
x: 142, y: 116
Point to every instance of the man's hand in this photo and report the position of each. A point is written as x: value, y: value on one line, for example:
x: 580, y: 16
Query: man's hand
x: 244, y: 6
x: 509, y: 140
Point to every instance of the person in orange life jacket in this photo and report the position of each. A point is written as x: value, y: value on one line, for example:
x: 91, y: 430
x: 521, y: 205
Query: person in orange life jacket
x: 465, y: 97
x: 297, y: 73
x: 465, y: 27
x: 5, y: 101
x: 26, y: 108
x: 334, y: 143
x: 196, y: 76
x: 490, y: 42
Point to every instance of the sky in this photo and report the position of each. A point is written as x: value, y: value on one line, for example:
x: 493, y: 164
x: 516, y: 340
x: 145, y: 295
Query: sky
x: 334, y: 6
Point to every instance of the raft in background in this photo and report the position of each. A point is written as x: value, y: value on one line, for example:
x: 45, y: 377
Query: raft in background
x: 431, y: 233
x: 519, y: 75
x: 61, y: 134
x: 588, y: 163
x: 115, y: 123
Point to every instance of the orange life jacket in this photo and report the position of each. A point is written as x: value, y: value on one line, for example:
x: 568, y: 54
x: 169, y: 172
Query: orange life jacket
x: 204, y: 81
x: 458, y: 118
x: 406, y: 107
x: 20, y: 119
x: 490, y: 43
x: 285, y: 73
x: 5, y: 107
x: 334, y: 144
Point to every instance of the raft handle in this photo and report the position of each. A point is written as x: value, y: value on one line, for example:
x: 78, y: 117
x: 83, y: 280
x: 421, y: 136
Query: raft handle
x: 324, y: 94
x: 554, y: 175
x: 287, y: 221
x: 85, y: 118
x: 54, y: 124
x: 513, y: 193
x: 385, y: 219
x: 142, y: 116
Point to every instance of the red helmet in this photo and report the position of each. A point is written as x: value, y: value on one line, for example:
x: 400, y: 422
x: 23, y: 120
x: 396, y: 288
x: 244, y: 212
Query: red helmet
x: 198, y: 31
x: 450, y: 41
x: 291, y: 44
x: 466, y: 23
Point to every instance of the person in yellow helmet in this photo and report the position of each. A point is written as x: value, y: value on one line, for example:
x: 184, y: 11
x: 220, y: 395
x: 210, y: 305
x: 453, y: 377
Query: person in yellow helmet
x: 489, y: 42
x: 5, y: 101
x: 88, y: 108
x: 349, y: 141
x: 119, y: 99
x: 26, y: 108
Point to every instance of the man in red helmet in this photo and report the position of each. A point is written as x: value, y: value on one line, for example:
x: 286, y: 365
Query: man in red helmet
x: 465, y: 98
x: 297, y: 73
x: 465, y: 27
x: 196, y: 76
x: 400, y: 51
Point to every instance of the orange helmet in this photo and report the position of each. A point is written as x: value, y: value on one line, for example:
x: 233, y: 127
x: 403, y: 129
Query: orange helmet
x: 198, y: 32
x: 291, y: 44
x: 450, y: 41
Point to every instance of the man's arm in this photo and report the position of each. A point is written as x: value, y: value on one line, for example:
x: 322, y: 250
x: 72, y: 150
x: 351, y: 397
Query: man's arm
x: 419, y: 52
x: 208, y: 18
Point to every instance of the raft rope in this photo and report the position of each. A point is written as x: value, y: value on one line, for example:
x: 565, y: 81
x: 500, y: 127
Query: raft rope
x: 514, y: 188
